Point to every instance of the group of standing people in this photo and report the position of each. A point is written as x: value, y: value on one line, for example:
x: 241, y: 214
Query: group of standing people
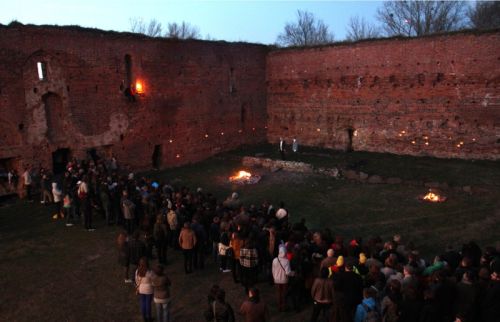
x: 343, y: 280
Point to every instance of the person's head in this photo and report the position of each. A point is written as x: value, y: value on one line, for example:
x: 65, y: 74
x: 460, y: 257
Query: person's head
x: 159, y: 269
x: 122, y: 238
x: 330, y: 252
x: 186, y: 225
x: 254, y: 294
x: 369, y: 292
x: 143, y: 266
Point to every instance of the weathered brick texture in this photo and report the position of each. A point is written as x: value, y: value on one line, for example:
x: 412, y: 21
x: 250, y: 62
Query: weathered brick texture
x: 436, y: 96
x: 200, y: 97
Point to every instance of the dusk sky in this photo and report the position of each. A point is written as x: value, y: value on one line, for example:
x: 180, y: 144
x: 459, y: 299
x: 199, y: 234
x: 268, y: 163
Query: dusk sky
x: 252, y: 21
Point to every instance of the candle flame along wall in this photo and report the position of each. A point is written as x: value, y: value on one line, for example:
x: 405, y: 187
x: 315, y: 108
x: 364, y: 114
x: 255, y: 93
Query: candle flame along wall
x: 370, y: 88
x: 139, y: 87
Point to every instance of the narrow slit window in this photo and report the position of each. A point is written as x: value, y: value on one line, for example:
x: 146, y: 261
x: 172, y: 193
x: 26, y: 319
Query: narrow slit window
x: 42, y: 70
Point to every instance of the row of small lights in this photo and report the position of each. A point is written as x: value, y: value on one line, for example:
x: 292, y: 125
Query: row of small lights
x: 206, y: 137
x: 426, y: 138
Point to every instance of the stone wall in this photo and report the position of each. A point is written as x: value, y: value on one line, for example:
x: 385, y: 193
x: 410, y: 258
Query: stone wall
x: 200, y: 98
x: 434, y: 96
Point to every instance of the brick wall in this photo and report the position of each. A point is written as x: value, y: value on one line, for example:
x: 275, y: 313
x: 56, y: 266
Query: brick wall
x: 436, y: 96
x: 200, y: 97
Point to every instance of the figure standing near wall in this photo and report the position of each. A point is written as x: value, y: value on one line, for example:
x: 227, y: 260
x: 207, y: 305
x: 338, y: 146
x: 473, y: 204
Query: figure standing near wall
x: 282, y: 148
x: 27, y: 182
x: 295, y: 146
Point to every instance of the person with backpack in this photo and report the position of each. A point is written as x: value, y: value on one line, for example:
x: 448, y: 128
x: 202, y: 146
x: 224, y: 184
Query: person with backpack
x: 367, y: 310
x: 281, y: 270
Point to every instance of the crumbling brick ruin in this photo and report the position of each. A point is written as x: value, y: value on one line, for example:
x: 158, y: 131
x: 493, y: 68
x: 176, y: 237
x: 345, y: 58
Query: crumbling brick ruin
x: 71, y: 91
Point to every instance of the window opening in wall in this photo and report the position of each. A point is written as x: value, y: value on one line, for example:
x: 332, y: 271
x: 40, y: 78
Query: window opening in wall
x: 129, y: 87
x: 350, y: 135
x: 128, y: 71
x: 42, y: 70
x: 243, y: 114
x: 60, y: 158
x: 156, y: 157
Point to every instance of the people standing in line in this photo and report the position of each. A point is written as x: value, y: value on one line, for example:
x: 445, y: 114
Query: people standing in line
x: 187, y: 241
x: 161, y: 293
x: 144, y: 288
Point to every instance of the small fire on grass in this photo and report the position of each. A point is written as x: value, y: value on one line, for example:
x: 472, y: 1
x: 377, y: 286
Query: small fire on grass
x: 244, y: 177
x: 433, y: 196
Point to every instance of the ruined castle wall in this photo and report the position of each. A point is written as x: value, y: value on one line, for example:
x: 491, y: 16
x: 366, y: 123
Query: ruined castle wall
x: 436, y: 96
x: 200, y: 98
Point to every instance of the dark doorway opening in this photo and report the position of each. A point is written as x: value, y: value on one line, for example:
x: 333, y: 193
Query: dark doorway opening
x: 156, y: 157
x: 350, y: 135
x: 60, y: 159
x: 92, y: 155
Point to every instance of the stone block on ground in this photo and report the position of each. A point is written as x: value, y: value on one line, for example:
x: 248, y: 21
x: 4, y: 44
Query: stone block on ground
x: 363, y: 176
x: 351, y: 175
x: 375, y: 179
x: 394, y: 180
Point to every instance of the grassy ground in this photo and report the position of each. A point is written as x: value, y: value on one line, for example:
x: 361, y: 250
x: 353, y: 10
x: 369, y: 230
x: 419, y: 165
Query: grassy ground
x: 51, y: 272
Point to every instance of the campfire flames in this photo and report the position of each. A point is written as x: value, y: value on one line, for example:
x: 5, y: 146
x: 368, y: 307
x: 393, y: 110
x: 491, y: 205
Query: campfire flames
x: 244, y: 177
x: 433, y: 197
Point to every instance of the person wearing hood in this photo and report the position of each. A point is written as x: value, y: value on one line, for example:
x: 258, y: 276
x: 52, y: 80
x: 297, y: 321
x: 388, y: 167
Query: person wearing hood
x: 281, y: 270
x: 368, y: 307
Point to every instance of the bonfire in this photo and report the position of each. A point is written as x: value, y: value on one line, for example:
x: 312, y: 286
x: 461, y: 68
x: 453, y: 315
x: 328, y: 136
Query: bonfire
x: 244, y: 177
x: 433, y: 197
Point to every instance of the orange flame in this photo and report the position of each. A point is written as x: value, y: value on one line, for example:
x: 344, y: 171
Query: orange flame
x: 433, y: 197
x: 241, y: 175
x: 139, y: 87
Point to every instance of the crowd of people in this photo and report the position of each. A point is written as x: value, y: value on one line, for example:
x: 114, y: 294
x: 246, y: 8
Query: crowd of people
x: 342, y: 279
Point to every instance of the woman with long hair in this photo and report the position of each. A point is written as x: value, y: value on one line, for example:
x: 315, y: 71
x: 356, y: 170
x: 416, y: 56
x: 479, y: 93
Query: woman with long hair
x: 144, y: 288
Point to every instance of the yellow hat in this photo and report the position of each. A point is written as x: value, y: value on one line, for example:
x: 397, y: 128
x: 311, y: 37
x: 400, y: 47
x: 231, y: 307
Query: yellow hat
x: 340, y: 261
x: 362, y: 258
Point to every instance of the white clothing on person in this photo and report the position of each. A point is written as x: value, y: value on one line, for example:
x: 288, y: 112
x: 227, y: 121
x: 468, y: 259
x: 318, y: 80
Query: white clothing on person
x: 281, y: 267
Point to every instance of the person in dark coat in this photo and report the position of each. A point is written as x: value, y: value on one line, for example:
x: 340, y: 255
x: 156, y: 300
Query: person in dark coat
x: 124, y: 254
x: 350, y: 285
x: 490, y: 310
x: 219, y: 310
x: 137, y: 250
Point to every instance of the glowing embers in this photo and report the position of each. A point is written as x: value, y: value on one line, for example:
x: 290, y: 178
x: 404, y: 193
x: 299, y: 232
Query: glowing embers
x: 244, y: 177
x: 433, y: 196
x: 140, y: 88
